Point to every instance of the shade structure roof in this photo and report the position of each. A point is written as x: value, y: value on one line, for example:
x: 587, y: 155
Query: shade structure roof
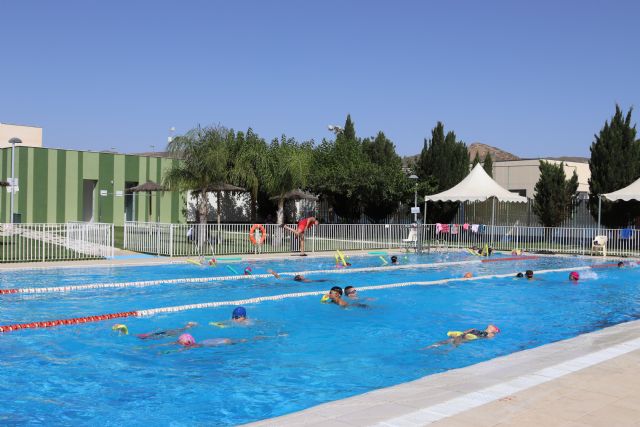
x: 147, y: 186
x: 630, y: 192
x: 225, y: 187
x: 296, y: 195
x: 476, y: 187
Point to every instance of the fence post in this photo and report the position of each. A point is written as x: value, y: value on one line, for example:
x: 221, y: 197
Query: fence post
x: 44, y: 244
x: 113, y: 241
x: 313, y: 236
x: 125, y: 235
x: 157, y: 239
x: 171, y: 240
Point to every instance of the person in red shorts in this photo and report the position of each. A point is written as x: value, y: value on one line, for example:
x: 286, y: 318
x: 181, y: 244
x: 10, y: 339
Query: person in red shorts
x: 303, y: 225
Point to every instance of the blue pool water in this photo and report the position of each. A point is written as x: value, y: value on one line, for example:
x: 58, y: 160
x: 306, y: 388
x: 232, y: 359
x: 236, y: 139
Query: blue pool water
x: 311, y: 353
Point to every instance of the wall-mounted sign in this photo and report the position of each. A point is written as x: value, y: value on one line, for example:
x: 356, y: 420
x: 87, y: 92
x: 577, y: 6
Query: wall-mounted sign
x: 415, y: 210
x: 119, y: 193
x: 103, y: 192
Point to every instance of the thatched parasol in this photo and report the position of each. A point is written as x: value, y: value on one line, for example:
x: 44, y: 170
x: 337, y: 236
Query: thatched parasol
x: 296, y: 195
x: 219, y: 188
x: 148, y: 187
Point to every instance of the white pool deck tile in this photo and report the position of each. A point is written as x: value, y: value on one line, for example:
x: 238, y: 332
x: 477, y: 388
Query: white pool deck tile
x: 582, y: 381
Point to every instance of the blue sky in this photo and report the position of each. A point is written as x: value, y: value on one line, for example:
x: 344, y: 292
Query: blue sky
x: 533, y: 78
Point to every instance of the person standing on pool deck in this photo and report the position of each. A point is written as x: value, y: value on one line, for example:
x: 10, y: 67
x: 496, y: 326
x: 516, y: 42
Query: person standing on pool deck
x: 303, y: 225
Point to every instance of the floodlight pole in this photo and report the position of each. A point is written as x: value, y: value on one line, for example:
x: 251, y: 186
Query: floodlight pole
x: 415, y: 197
x: 13, y: 142
x: 599, y: 210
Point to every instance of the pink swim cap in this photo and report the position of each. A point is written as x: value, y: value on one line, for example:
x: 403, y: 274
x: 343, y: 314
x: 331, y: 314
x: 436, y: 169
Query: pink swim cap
x: 186, y: 340
x: 574, y: 275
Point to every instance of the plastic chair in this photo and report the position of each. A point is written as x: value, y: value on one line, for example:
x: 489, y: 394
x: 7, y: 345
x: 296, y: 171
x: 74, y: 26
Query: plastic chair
x: 599, y: 244
x: 412, y: 238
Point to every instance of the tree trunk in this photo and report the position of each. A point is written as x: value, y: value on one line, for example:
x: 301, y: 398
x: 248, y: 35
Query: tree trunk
x: 280, y: 211
x: 218, y: 203
x: 204, y: 216
x: 254, y: 205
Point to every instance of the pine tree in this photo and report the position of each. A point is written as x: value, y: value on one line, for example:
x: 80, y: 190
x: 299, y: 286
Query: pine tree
x: 488, y: 164
x: 476, y: 160
x: 443, y: 162
x: 555, y: 195
x: 349, y: 132
x: 614, y: 164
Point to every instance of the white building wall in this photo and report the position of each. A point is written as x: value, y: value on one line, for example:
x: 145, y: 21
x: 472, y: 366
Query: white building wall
x: 31, y: 136
x: 517, y: 175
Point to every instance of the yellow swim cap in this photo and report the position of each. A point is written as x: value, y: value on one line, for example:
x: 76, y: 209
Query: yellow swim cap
x: 120, y: 328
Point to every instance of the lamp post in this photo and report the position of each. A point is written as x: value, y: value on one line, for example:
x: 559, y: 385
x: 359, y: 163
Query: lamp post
x: 13, y: 142
x: 415, y: 197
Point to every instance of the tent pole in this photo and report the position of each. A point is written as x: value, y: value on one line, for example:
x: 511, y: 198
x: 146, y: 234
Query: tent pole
x: 599, y: 211
x: 493, y: 219
x: 424, y: 215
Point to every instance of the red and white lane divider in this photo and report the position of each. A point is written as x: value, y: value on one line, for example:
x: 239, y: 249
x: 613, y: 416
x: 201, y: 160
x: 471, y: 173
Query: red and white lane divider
x: 71, y: 288
x: 72, y: 321
x: 256, y: 300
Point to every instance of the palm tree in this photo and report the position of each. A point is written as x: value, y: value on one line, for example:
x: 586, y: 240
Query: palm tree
x: 249, y: 154
x: 287, y: 168
x: 204, y: 155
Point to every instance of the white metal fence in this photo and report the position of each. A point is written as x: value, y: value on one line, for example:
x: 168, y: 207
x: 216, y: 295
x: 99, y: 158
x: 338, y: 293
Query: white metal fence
x: 209, y: 239
x: 55, y: 242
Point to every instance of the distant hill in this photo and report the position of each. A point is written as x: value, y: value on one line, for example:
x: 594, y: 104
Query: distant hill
x: 496, y: 154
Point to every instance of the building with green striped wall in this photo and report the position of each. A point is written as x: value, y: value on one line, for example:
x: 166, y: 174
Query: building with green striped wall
x: 56, y: 186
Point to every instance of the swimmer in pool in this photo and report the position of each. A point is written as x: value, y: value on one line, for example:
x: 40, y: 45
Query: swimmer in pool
x: 276, y: 275
x: 335, y: 296
x: 394, y: 260
x: 457, y: 338
x: 351, y: 293
x: 620, y: 264
x: 168, y: 333
x: 574, y: 276
x: 187, y: 341
x: 529, y: 274
x: 520, y: 275
x: 238, y: 317
x: 301, y: 278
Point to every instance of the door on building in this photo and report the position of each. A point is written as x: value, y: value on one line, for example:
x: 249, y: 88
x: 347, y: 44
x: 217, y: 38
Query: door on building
x: 129, y: 201
x: 88, y: 195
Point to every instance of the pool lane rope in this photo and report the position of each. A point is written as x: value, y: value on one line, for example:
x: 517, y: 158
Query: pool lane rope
x: 256, y: 300
x: 71, y: 288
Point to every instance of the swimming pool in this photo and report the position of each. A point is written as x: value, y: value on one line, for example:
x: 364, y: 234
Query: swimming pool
x: 311, y: 353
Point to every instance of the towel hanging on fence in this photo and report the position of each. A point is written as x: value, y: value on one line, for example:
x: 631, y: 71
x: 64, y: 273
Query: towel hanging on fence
x: 482, y: 228
x: 442, y: 228
x: 454, y: 229
x: 465, y: 226
x: 474, y: 228
x: 626, y: 233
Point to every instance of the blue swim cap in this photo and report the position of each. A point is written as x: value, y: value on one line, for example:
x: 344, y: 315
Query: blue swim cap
x: 238, y: 313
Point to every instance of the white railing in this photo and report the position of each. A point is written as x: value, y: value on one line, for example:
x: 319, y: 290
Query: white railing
x: 55, y: 242
x: 209, y: 239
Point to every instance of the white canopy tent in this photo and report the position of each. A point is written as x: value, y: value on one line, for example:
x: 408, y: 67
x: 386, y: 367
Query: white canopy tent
x: 478, y: 186
x: 630, y: 192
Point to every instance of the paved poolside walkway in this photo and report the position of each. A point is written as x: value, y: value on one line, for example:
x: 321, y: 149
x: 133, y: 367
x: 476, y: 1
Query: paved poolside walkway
x: 589, y: 380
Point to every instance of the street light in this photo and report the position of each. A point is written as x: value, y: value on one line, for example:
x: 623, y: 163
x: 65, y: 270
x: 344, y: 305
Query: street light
x: 335, y: 129
x: 13, y: 142
x: 415, y: 198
